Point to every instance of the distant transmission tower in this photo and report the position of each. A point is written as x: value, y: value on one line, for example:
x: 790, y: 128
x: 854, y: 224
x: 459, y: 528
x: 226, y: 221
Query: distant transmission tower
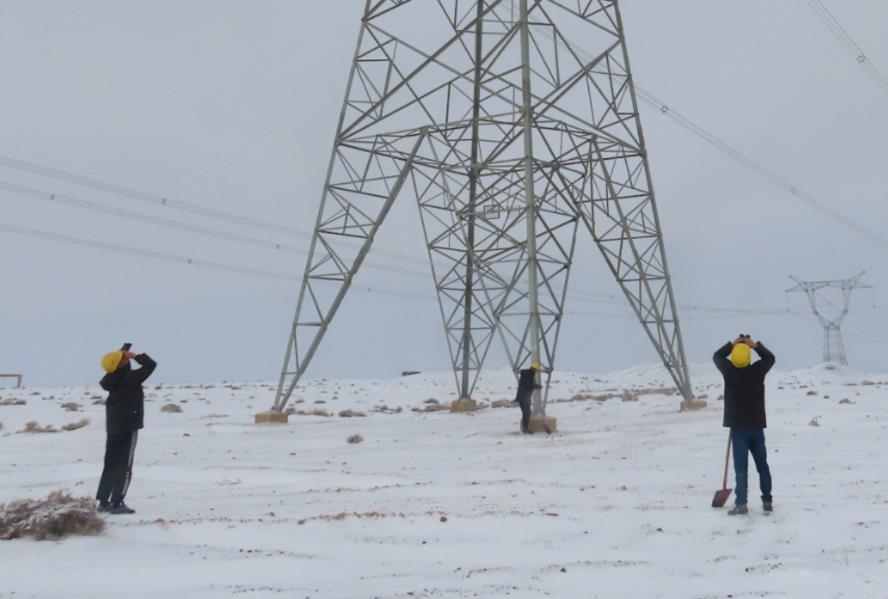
x: 509, y: 138
x: 833, y: 346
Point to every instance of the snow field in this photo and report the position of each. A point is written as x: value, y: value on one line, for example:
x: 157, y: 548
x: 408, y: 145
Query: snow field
x: 451, y: 505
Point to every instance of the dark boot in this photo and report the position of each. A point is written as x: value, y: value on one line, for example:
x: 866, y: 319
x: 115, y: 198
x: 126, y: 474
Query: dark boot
x: 768, y: 507
x: 738, y: 510
x: 121, y: 508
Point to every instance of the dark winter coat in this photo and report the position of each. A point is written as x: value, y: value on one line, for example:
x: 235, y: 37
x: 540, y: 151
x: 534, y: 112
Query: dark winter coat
x: 526, y: 385
x: 125, y: 406
x: 744, y: 387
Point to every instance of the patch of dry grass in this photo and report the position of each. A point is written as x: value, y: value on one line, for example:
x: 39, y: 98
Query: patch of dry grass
x: 33, y: 426
x: 58, y: 516
x: 353, y: 439
x: 171, y: 407
x: 73, y: 426
x: 352, y: 414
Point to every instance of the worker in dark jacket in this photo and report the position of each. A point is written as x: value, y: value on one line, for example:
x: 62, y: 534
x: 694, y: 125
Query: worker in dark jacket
x: 745, y: 413
x: 526, y: 385
x: 124, y: 412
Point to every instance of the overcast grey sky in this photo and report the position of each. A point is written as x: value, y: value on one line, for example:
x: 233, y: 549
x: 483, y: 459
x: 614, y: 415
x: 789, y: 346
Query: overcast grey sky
x: 233, y: 105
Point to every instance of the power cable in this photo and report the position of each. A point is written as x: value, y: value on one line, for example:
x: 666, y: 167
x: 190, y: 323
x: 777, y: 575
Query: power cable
x: 64, y: 199
x: 68, y: 200
x: 758, y: 168
x: 164, y: 201
x: 721, y: 145
x: 178, y: 259
x: 851, y: 46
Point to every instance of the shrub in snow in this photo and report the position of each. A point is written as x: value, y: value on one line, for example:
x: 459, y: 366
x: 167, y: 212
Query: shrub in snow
x: 315, y: 412
x: 431, y: 407
x: 355, y: 439
x: 73, y: 426
x: 56, y: 517
x: 34, y: 427
x: 171, y: 407
x: 351, y: 414
x: 12, y: 401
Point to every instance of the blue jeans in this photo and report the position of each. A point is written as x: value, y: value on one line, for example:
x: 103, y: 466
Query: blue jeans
x: 743, y: 442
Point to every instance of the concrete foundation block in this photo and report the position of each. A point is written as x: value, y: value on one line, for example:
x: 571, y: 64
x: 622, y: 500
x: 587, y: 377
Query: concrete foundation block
x: 464, y: 404
x: 272, y: 416
x: 545, y: 424
x: 689, y: 405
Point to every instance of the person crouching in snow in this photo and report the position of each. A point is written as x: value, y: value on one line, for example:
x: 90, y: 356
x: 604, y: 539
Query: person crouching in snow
x: 745, y: 413
x: 124, y: 413
x: 526, y: 385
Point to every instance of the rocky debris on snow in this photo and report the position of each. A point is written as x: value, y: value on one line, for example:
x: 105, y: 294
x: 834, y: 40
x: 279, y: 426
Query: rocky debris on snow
x: 58, y: 516
x: 814, y: 422
x: 431, y: 405
x: 501, y: 403
x: 629, y: 396
x: 384, y: 409
x: 171, y: 407
x: 12, y: 401
x: 409, y: 372
x: 354, y: 439
x: 352, y: 414
x: 315, y: 412
x: 98, y: 402
x: 360, y: 515
x: 845, y: 401
x: 71, y: 406
x: 811, y: 393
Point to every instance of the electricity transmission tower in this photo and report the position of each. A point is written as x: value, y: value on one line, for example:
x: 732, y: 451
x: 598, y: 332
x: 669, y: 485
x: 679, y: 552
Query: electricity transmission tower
x: 833, y: 346
x: 510, y: 139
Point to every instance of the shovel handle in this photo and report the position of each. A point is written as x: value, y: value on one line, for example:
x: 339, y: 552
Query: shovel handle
x: 727, y: 461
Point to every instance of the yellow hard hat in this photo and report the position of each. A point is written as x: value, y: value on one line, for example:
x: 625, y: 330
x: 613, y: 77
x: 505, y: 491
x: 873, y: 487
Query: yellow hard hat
x: 111, y: 361
x: 535, y: 365
x: 741, y: 355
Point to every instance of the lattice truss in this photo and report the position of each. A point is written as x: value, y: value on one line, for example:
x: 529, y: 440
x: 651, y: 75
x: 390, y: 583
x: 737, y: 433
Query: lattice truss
x: 434, y: 110
x: 830, y: 311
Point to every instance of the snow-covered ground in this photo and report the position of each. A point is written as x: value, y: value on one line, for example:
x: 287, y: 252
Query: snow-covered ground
x: 433, y: 504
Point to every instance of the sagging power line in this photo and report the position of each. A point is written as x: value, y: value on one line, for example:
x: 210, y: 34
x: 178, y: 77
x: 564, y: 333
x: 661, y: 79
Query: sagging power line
x: 851, y: 46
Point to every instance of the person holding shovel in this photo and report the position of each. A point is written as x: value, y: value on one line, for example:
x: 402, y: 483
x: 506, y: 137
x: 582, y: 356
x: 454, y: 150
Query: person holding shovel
x: 745, y: 413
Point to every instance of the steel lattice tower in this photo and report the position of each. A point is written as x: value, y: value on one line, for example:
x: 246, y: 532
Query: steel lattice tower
x: 510, y: 139
x: 833, y: 346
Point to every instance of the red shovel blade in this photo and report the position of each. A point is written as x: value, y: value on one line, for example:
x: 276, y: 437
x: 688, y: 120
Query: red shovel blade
x: 721, y: 497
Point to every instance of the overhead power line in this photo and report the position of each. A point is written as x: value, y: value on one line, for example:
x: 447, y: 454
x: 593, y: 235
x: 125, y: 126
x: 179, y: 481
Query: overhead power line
x: 586, y: 296
x: 851, y: 46
x: 758, y: 168
x: 180, y: 205
x: 155, y: 255
x: 721, y: 145
x: 68, y: 200
x: 178, y: 259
